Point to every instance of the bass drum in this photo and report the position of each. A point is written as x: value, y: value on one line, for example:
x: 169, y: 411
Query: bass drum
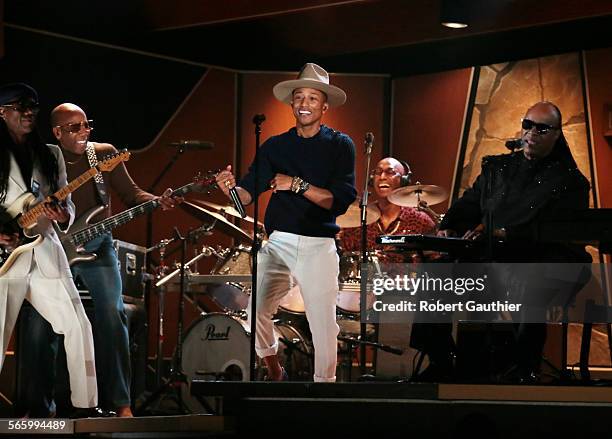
x: 217, y: 347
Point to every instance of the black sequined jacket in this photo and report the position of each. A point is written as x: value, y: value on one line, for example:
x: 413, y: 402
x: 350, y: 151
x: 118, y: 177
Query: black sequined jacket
x: 511, y: 192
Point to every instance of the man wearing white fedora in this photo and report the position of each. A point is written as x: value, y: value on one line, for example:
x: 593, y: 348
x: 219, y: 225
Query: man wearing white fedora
x: 310, y: 169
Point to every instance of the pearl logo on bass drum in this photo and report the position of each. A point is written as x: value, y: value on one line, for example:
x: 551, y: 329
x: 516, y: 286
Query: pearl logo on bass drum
x: 211, y: 334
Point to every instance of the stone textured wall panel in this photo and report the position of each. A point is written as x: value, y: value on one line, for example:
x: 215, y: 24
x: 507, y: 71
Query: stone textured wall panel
x: 506, y: 90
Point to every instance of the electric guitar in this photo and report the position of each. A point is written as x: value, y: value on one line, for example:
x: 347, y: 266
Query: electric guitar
x: 73, y: 242
x: 22, y: 215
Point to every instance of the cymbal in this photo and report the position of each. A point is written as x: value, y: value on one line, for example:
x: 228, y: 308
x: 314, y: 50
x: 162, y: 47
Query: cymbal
x: 230, y: 210
x: 352, y: 217
x: 411, y: 195
x: 222, y: 223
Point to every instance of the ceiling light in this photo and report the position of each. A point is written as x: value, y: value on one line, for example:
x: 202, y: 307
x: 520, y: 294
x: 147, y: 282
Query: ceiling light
x: 454, y: 13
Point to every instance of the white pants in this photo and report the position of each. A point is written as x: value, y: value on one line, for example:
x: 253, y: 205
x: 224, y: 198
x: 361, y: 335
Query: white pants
x: 57, y: 300
x: 313, y: 264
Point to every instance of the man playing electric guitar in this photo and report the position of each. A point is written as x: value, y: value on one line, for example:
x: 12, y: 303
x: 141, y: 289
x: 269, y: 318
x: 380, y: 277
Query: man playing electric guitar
x: 41, y: 274
x: 101, y: 276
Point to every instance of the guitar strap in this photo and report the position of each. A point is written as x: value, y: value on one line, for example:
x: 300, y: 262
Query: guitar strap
x: 98, y: 178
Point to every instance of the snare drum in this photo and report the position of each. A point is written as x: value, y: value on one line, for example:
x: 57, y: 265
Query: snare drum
x: 293, y: 303
x: 349, y: 282
x: 348, y: 300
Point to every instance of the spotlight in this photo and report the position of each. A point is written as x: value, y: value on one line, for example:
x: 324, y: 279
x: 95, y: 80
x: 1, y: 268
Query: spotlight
x: 454, y: 13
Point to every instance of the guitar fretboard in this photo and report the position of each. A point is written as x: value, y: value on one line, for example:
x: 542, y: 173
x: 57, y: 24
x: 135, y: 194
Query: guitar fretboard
x: 106, y: 225
x: 86, y: 235
x: 27, y: 219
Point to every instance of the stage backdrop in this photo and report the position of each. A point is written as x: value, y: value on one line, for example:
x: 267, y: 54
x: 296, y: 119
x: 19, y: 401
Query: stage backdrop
x: 503, y: 93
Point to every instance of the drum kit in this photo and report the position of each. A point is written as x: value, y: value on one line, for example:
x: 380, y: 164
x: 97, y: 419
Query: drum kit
x: 353, y: 333
x: 216, y: 345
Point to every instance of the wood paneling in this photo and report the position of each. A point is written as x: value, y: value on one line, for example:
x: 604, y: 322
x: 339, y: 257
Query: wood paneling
x: 208, y: 114
x: 599, y: 72
x: 428, y: 115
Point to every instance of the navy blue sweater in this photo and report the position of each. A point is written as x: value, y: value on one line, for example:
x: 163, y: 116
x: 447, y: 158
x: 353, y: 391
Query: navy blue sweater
x: 326, y: 160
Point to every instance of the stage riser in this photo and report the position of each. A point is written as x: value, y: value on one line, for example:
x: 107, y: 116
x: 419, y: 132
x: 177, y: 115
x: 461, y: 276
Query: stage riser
x: 397, y: 418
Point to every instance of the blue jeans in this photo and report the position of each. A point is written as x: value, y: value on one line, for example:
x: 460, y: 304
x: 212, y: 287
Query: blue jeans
x: 111, y: 339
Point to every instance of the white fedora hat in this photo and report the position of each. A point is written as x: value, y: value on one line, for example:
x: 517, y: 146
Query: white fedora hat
x: 311, y: 76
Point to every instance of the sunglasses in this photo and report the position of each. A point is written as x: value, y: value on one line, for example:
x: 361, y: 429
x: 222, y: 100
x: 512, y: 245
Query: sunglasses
x: 76, y: 127
x: 541, y: 128
x: 23, y: 107
x: 389, y: 172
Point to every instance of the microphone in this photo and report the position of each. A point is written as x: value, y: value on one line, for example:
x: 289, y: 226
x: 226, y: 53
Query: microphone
x: 193, y: 144
x: 259, y: 119
x: 237, y: 202
x: 369, y: 140
x: 513, y: 144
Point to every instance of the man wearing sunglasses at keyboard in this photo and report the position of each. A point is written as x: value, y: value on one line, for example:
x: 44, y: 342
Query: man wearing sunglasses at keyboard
x: 509, y: 194
x: 101, y: 277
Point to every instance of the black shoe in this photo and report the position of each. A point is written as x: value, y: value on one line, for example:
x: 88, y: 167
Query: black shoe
x: 435, y: 373
x: 92, y: 412
x: 520, y: 375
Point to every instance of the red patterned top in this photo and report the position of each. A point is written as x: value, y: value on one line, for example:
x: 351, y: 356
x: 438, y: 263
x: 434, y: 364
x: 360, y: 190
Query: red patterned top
x: 409, y: 221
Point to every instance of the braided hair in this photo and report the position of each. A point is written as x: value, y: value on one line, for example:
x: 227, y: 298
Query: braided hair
x: 42, y: 156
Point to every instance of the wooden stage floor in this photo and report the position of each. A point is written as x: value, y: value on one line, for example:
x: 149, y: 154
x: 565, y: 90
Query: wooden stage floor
x: 321, y: 410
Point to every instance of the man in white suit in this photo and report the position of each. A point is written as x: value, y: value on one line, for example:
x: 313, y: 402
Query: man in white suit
x: 42, y: 275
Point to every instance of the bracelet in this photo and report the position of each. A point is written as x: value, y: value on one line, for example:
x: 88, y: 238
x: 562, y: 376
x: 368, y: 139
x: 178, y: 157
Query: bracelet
x: 304, y: 186
x: 299, y: 186
x: 294, y: 184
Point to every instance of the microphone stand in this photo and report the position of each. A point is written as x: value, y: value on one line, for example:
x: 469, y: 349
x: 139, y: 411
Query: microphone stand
x: 150, y: 189
x: 369, y: 140
x: 258, y: 119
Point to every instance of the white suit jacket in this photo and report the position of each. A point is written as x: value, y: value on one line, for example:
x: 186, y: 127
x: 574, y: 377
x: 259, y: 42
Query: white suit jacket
x: 49, y: 254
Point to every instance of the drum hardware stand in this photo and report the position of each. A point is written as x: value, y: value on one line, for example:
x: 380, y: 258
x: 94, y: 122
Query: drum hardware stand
x: 150, y: 189
x: 291, y: 346
x: 161, y: 272
x: 258, y: 120
x: 369, y: 141
x: 177, y: 377
x: 352, y: 341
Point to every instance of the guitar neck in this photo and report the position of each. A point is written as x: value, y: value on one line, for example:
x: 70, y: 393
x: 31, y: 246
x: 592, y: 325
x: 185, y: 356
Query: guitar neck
x: 63, y: 193
x: 27, y: 219
x: 106, y: 225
